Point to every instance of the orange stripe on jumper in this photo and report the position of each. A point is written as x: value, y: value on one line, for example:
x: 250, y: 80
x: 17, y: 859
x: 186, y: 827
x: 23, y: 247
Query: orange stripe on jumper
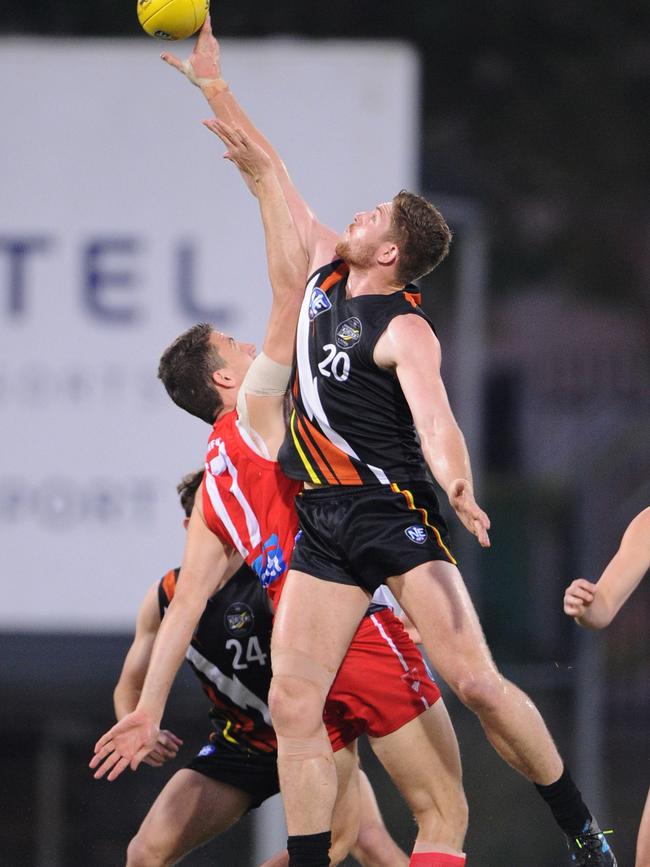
x: 408, y: 496
x: 336, y: 275
x: 169, y: 584
x: 340, y: 463
x: 413, y: 298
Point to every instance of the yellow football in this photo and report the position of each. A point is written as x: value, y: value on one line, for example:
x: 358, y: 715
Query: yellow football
x: 172, y: 19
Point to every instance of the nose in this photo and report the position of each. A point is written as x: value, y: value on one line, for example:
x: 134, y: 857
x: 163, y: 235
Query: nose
x: 358, y: 216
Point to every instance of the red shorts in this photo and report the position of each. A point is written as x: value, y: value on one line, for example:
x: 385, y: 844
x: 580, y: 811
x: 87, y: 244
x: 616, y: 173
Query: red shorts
x: 382, y: 683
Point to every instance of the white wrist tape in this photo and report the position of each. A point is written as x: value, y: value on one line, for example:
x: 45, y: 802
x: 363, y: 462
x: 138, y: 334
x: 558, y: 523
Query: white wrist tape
x: 266, y: 377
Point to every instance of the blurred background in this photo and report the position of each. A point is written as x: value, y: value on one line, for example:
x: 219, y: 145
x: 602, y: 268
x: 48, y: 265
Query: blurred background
x: 120, y: 227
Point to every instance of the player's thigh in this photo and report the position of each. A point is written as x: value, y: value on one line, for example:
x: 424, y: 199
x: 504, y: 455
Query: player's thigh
x: 423, y: 760
x: 436, y: 599
x: 190, y: 810
x: 317, y: 618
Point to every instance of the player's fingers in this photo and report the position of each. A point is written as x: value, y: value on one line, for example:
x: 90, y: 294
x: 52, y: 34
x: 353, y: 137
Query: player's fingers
x: 117, y: 770
x: 482, y: 534
x: 98, y: 758
x: 172, y: 60
x: 168, y: 740
x: 153, y: 762
x: 102, y: 749
x: 104, y: 740
x: 222, y: 132
x: 109, y: 762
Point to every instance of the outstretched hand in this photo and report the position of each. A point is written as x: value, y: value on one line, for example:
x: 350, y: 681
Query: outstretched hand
x: 125, y: 745
x: 461, y: 499
x: 578, y: 597
x: 251, y: 159
x: 203, y: 65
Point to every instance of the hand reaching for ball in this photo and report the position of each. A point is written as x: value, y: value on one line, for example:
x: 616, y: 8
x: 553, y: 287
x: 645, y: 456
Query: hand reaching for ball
x: 251, y: 160
x: 202, y: 66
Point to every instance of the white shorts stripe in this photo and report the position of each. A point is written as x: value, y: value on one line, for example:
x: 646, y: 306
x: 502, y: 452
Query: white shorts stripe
x: 415, y: 686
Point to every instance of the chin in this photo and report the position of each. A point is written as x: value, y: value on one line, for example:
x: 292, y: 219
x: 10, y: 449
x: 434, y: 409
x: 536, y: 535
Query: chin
x: 342, y: 249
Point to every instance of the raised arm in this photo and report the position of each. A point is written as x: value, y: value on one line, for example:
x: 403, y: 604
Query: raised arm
x: 410, y: 347
x: 203, y: 68
x: 207, y: 565
x: 129, y: 686
x: 261, y: 398
x: 595, y: 605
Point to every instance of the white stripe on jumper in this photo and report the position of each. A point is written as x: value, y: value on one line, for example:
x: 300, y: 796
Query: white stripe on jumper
x: 236, y: 691
x: 309, y: 388
x: 220, y: 508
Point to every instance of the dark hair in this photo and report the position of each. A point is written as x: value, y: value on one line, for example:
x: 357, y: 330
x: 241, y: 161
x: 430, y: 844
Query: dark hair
x: 187, y: 488
x: 186, y: 369
x: 421, y: 233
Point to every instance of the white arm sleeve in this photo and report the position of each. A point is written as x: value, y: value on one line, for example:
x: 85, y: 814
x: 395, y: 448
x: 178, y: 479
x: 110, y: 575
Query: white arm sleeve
x: 266, y: 378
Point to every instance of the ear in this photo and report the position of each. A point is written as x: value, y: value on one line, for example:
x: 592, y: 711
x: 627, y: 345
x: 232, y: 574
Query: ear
x: 223, y: 378
x: 388, y: 254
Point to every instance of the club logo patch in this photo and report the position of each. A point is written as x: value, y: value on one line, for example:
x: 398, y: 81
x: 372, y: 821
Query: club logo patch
x: 207, y: 750
x: 348, y: 333
x: 318, y: 303
x: 417, y: 534
x: 271, y: 563
x: 239, y: 619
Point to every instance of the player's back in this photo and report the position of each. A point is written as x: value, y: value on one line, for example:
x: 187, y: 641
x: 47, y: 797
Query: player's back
x: 351, y: 424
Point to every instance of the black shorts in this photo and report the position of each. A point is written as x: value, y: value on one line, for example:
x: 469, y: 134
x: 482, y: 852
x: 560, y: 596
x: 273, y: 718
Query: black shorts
x: 365, y: 534
x: 254, y: 773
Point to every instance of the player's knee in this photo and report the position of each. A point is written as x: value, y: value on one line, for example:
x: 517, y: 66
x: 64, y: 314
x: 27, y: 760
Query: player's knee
x: 481, y: 691
x: 141, y: 852
x: 296, y: 706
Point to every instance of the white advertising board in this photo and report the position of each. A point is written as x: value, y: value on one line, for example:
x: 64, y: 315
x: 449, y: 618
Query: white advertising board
x: 120, y: 226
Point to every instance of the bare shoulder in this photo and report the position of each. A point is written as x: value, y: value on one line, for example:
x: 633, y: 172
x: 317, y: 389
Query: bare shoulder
x: 408, y: 337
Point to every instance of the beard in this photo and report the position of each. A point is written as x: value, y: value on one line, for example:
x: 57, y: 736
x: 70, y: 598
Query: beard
x: 357, y: 258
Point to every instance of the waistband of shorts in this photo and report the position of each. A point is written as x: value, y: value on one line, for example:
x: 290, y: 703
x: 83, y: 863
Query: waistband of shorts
x: 325, y: 491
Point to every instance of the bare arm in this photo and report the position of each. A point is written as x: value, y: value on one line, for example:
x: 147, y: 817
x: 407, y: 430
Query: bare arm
x: 265, y: 386
x: 287, y: 270
x: 411, y: 349
x: 203, y: 68
x: 595, y: 605
x: 129, y: 686
x: 207, y: 565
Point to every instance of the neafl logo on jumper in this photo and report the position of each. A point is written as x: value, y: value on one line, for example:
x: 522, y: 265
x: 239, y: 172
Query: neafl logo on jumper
x: 239, y: 619
x: 318, y: 303
x: 416, y: 534
x: 348, y: 333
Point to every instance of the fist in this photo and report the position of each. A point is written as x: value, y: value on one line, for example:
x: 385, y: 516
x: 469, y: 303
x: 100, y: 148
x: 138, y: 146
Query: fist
x: 578, y: 597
